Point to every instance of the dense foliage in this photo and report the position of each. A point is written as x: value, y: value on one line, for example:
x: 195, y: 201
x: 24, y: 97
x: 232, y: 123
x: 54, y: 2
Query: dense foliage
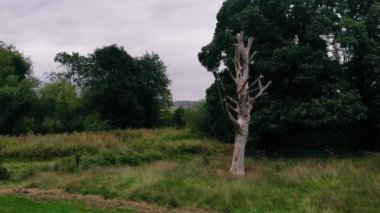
x: 17, y: 90
x: 105, y: 89
x: 323, y: 58
x: 125, y: 91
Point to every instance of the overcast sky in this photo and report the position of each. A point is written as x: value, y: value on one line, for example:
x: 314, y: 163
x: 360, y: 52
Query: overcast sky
x: 175, y: 29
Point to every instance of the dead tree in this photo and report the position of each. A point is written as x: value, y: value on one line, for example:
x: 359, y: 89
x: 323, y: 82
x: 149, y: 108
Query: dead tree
x: 238, y: 109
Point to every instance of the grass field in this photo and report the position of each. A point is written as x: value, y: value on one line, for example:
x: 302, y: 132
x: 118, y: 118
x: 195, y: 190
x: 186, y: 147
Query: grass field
x: 170, y: 170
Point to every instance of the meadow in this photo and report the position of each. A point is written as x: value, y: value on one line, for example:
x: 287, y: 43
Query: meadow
x: 171, y: 170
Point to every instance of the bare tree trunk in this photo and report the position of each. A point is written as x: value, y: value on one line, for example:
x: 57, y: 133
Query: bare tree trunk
x: 241, y: 135
x: 239, y: 109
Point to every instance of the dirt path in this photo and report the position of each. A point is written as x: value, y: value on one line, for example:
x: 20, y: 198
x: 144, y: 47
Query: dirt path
x: 94, y: 200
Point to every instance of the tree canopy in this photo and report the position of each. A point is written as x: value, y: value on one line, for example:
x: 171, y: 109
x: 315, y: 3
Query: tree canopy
x: 126, y: 91
x: 323, y: 59
x: 17, y: 92
x: 13, y: 62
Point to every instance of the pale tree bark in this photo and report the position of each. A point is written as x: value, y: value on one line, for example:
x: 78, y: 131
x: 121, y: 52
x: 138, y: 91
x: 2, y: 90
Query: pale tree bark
x: 239, y: 109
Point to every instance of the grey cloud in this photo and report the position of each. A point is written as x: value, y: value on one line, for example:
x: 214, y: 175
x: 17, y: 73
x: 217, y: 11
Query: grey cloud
x: 174, y: 29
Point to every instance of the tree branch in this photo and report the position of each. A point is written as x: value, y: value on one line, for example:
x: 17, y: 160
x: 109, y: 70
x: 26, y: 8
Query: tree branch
x: 240, y: 37
x: 253, y: 90
x: 253, y: 55
x: 231, y: 99
x: 249, y: 44
x: 221, y: 99
x: 258, y: 79
x: 225, y: 106
x: 218, y: 79
x: 232, y: 118
x: 231, y: 107
x: 262, y: 90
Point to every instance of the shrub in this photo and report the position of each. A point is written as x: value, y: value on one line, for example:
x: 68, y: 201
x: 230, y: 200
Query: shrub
x: 197, y: 118
x: 26, y: 173
x: 4, y: 173
x: 50, y: 125
x: 67, y: 164
x: 179, y: 118
x: 165, y: 118
x: 93, y: 122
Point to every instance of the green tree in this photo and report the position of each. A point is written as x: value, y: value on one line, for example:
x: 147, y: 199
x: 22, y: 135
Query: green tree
x: 295, y: 40
x: 17, y: 91
x: 112, y: 87
x: 76, y: 69
x: 59, y: 107
x: 154, y: 90
x: 13, y: 62
x: 124, y: 91
x: 360, y: 41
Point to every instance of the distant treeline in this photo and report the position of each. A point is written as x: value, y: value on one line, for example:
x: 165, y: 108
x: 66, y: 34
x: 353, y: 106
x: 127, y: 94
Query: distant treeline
x: 185, y: 104
x: 105, y: 89
x: 323, y: 58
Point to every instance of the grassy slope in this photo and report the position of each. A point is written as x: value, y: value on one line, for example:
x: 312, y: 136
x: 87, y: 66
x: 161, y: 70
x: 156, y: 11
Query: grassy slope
x: 174, y: 168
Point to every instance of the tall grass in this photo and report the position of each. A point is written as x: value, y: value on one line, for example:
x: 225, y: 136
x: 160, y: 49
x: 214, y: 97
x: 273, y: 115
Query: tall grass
x: 78, y: 151
x: 271, y: 185
x: 177, y: 169
x: 63, y: 145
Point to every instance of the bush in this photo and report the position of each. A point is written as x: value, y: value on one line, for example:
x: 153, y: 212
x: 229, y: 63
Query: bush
x: 70, y: 164
x: 179, y: 118
x: 196, y: 118
x: 4, y: 173
x: 51, y: 125
x: 93, y: 122
x: 165, y: 118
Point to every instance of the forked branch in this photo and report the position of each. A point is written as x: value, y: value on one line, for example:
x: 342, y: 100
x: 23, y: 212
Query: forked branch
x: 262, y: 89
